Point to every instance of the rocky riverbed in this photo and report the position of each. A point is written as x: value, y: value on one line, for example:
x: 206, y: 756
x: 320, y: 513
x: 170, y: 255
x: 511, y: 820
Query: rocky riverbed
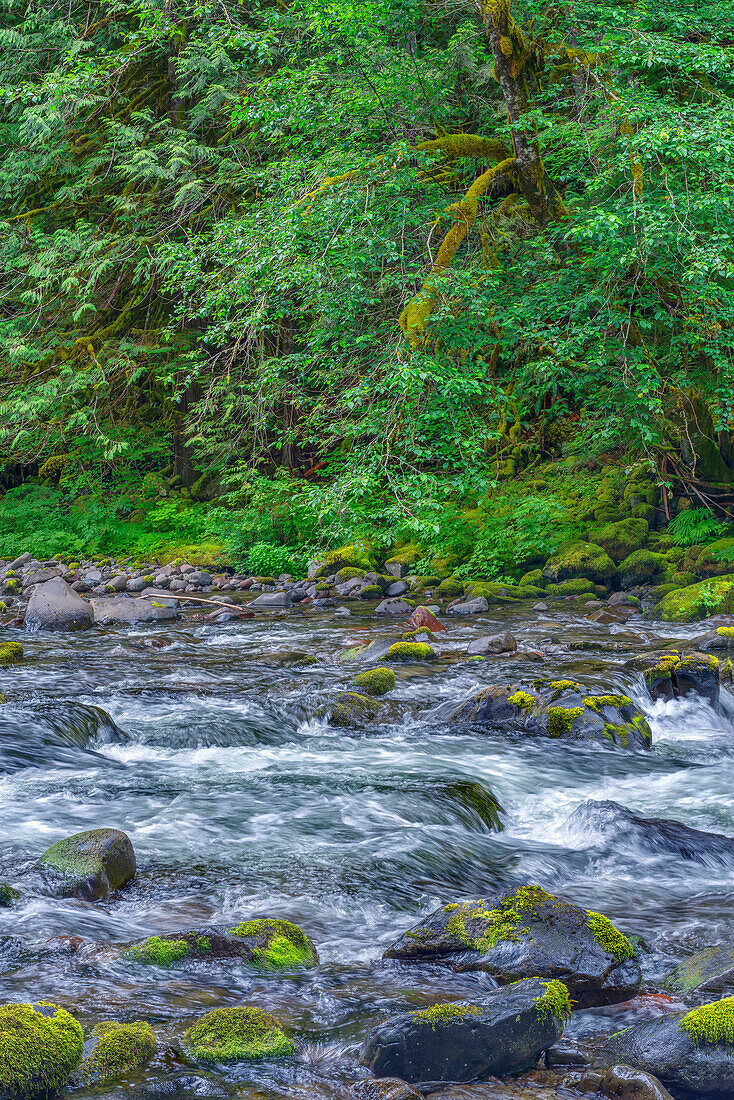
x: 238, y: 860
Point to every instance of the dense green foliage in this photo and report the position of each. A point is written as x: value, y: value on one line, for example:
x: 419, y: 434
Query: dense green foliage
x: 212, y: 215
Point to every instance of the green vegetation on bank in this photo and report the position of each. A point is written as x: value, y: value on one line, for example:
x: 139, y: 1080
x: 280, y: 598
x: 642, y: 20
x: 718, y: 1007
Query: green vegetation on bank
x: 450, y: 279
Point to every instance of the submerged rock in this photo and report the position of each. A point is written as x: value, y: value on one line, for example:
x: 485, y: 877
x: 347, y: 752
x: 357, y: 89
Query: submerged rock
x: 385, y: 1088
x: 41, y: 1045
x: 56, y: 606
x: 267, y: 944
x: 8, y: 896
x: 655, y: 834
x: 628, y: 1083
x: 492, y: 643
x: 114, y: 1050
x: 560, y: 709
x: 503, y: 1033
x: 91, y: 865
x: 528, y: 933
x: 236, y: 1035
x: 353, y: 710
x: 689, y: 1052
x: 708, y: 971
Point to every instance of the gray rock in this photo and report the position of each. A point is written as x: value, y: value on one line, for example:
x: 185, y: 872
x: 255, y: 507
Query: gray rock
x: 118, y: 583
x: 624, y: 829
x: 504, y: 1033
x: 398, y: 588
x: 92, y: 576
x: 492, y: 643
x: 347, y: 588
x: 162, y: 580
x: 396, y: 568
x: 709, y: 971
x: 137, y: 584
x: 476, y: 606
x: 125, y: 610
x: 542, y: 936
x: 40, y: 576
x: 199, y: 577
x: 664, y: 1048
x: 627, y: 1083
x: 384, y: 1088
x: 622, y: 599
x: 540, y: 606
x: 20, y: 562
x: 177, y: 585
x: 271, y: 600
x: 343, y: 613
x: 54, y: 605
x: 393, y: 607
x: 91, y: 864
x: 80, y: 586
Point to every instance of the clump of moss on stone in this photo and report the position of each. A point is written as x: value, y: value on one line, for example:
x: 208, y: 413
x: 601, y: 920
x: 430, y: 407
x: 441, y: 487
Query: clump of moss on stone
x: 40, y: 1045
x: 725, y: 631
x: 7, y: 895
x: 557, y: 687
x: 10, y: 653
x: 499, y: 924
x: 118, y: 1049
x: 554, y: 1002
x: 522, y: 699
x: 376, y: 681
x: 711, y: 1023
x: 236, y: 1035
x: 442, y: 1014
x: 561, y: 719
x: 351, y: 708
x: 159, y: 952
x: 610, y: 938
x: 410, y: 651
x: 281, y: 945
x: 596, y: 702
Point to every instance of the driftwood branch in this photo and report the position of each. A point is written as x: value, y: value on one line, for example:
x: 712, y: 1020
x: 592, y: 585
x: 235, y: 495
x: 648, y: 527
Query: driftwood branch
x: 197, y: 599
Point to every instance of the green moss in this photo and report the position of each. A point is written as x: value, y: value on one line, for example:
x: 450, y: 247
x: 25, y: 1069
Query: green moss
x: 280, y: 944
x: 497, y: 924
x: 118, y: 1049
x: 711, y: 1023
x: 557, y: 687
x: 370, y: 592
x: 376, y: 681
x: 621, y: 539
x: 554, y: 1002
x: 40, y: 1045
x: 406, y: 555
x: 236, y: 1035
x: 356, y: 556
x: 610, y: 938
x: 443, y: 1013
x: 203, y: 943
x: 697, y: 601
x: 640, y: 723
x: 12, y: 584
x: 596, y: 702
x: 534, y: 578
x: 410, y: 651
x: 158, y: 952
x: 351, y: 709
x: 580, y: 559
x: 725, y: 631
x: 10, y: 653
x: 7, y: 895
x: 451, y: 587
x: 576, y: 587
x: 522, y: 699
x: 561, y: 720
x: 347, y: 574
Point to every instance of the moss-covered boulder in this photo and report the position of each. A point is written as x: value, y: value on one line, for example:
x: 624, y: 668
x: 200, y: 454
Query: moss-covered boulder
x: 40, y: 1045
x: 692, y: 1053
x: 265, y: 943
x: 376, y: 681
x: 697, y: 601
x: 709, y: 971
x: 669, y: 675
x: 400, y: 563
x: 716, y: 559
x: 559, y: 709
x: 351, y: 709
x: 360, y: 654
x: 91, y: 865
x: 622, y: 538
x: 524, y: 933
x: 236, y: 1035
x: 11, y: 653
x: 534, y: 578
x: 506, y: 1033
x: 8, y: 896
x: 410, y: 652
x: 356, y: 556
x: 113, y: 1051
x: 451, y: 587
x: 580, y: 586
x: 580, y: 559
x: 641, y: 567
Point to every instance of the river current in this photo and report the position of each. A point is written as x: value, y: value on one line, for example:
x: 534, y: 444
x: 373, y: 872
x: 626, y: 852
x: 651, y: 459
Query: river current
x: 241, y: 801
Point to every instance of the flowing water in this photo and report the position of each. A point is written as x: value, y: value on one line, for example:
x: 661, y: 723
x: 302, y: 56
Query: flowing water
x: 241, y: 801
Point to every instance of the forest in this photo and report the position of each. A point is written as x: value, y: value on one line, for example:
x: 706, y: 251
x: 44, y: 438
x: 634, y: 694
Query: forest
x: 286, y: 274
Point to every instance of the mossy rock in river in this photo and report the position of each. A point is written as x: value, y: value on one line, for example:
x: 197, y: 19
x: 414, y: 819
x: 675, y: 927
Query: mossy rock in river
x: 236, y: 1035
x: 350, y: 709
x: 376, y: 681
x: 559, y: 709
x: 40, y: 1045
x: 577, y: 587
x: 10, y: 653
x: 670, y: 676
x: 580, y: 559
x: 92, y: 864
x: 357, y: 556
x: 526, y: 933
x: 113, y: 1051
x: 268, y: 944
x: 8, y: 896
x: 410, y: 652
x: 697, y: 601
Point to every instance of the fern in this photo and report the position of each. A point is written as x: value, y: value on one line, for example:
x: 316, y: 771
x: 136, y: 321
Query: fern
x: 695, y: 525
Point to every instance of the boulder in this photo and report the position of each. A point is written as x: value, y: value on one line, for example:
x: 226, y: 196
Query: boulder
x: 114, y: 1050
x: 376, y: 681
x: 41, y: 1045
x: 263, y: 943
x: 640, y: 568
x: 504, y: 1033
x: 691, y: 1053
x: 627, y: 1083
x: 271, y: 601
x: 124, y: 610
x: 670, y: 676
x: 424, y: 617
x: 372, y: 652
x: 40, y: 576
x: 697, y: 601
x: 580, y: 559
x: 719, y: 642
x: 709, y: 971
x: 492, y: 643
x: 397, y: 588
x: 393, y: 607
x: 560, y: 709
x: 352, y: 710
x: 56, y: 606
x: 93, y: 864
x: 524, y: 933
x: 476, y: 606
x: 8, y: 896
x: 622, y: 538
x: 236, y: 1035
x: 653, y: 834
